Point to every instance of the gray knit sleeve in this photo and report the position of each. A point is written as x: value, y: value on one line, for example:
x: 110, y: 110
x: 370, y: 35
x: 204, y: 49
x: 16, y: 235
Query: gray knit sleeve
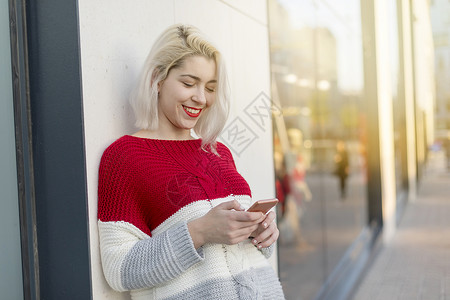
x: 160, y: 258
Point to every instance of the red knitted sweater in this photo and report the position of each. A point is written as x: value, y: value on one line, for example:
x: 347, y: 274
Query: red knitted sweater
x: 144, y: 181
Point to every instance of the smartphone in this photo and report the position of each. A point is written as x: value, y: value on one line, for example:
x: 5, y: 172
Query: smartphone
x: 263, y: 205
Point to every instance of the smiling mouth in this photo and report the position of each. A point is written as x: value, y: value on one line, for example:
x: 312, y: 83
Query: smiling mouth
x: 192, y: 112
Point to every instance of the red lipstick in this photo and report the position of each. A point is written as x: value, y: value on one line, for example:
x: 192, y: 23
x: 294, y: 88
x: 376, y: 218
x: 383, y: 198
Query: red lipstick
x: 192, y: 111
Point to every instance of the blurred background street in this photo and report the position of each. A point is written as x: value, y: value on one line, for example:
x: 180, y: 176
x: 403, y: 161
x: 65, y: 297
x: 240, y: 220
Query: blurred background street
x: 415, y: 264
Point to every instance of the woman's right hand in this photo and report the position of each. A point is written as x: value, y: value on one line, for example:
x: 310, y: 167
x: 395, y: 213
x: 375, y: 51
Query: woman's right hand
x: 227, y: 223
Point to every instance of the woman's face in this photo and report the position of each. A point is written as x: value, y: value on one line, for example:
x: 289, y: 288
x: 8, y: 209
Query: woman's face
x: 185, y: 94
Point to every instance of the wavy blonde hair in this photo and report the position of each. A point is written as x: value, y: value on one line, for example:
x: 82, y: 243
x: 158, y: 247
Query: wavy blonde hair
x: 171, y: 49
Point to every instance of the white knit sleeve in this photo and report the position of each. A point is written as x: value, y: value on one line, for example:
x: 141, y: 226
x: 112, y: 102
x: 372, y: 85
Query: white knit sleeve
x: 133, y: 260
x: 267, y: 252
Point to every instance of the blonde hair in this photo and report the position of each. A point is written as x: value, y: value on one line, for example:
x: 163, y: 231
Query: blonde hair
x: 170, y: 50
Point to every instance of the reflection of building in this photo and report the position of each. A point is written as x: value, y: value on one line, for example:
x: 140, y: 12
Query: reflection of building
x: 306, y: 62
x: 314, y: 54
x: 440, y: 21
x: 314, y: 61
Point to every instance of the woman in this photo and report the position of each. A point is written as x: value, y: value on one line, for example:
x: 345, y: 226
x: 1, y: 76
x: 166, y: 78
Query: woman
x: 341, y: 166
x: 171, y: 213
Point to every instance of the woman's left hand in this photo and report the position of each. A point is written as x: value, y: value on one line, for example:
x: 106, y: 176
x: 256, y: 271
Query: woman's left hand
x: 267, y: 232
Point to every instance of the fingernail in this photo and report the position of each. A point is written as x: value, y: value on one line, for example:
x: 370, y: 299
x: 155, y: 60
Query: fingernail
x: 259, y: 246
x: 265, y: 225
x: 255, y: 242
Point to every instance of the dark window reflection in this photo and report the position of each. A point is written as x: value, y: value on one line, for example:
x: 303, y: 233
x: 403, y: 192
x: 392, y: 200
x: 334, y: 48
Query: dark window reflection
x: 319, y: 137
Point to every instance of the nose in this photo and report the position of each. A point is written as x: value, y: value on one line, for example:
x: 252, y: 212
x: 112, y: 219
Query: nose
x: 199, y: 96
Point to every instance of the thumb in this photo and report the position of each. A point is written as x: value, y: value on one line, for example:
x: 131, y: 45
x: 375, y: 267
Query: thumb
x: 233, y: 204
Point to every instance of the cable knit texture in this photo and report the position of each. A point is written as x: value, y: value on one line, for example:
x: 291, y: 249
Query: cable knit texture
x: 148, y: 191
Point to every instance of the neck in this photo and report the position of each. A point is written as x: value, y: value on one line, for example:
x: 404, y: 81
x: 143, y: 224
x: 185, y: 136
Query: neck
x: 161, y: 136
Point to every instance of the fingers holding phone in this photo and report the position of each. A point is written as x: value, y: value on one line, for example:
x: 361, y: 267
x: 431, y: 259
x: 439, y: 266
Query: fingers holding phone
x: 227, y: 223
x: 267, y: 232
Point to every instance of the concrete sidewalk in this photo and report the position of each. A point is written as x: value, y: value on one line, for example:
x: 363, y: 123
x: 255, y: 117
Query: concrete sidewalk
x: 416, y: 263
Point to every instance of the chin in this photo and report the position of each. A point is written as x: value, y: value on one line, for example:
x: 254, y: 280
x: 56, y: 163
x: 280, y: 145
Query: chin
x: 189, y: 125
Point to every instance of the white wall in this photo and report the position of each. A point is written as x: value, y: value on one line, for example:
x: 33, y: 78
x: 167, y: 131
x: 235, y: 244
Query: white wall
x: 115, y: 38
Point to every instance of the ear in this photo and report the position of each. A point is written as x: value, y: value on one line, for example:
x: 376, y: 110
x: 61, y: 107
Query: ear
x: 159, y: 85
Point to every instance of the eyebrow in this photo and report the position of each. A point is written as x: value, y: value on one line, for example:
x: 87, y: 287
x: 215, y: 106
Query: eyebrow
x: 197, y: 78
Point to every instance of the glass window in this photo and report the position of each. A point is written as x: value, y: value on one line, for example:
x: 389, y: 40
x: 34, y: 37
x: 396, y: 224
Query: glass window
x: 319, y: 137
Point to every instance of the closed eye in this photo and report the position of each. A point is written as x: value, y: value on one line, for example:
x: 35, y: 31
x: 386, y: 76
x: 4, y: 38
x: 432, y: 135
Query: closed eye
x: 188, y: 84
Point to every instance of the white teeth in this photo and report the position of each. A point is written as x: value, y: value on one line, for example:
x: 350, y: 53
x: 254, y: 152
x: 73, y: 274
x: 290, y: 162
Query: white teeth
x: 191, y: 110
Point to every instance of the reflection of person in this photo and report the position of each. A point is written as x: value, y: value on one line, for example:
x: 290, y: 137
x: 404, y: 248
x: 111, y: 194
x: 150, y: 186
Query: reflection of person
x: 282, y: 184
x: 289, y: 221
x: 298, y: 166
x: 341, y: 166
x: 290, y: 173
x: 171, y: 218
x: 298, y: 177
